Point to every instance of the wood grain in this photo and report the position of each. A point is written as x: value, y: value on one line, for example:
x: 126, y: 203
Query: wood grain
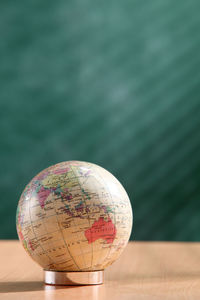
x: 144, y: 271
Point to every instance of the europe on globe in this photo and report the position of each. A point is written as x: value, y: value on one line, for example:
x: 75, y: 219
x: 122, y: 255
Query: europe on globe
x: 74, y: 216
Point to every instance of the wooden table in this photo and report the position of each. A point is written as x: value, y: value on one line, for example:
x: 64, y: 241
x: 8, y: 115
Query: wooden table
x: 144, y: 271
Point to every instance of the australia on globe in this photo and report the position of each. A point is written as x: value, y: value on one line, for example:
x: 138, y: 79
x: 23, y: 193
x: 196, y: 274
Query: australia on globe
x: 74, y: 216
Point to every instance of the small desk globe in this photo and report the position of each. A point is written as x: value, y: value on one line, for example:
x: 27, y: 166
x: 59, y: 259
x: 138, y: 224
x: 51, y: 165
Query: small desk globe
x: 74, y: 219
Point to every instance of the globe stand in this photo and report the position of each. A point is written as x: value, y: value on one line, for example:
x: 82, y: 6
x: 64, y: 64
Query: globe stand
x: 73, y: 278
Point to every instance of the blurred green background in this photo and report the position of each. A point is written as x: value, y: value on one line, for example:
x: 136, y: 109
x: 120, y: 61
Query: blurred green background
x: 114, y: 82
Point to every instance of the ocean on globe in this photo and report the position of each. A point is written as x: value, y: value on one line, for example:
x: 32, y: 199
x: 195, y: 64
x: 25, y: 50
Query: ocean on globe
x: 74, y: 216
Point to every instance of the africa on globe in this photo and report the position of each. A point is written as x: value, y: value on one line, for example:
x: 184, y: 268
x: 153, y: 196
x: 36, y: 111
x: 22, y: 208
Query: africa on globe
x: 74, y: 216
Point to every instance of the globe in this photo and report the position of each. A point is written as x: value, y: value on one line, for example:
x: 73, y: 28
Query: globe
x: 74, y: 216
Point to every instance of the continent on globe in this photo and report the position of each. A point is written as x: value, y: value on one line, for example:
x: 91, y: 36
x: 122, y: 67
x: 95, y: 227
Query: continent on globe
x: 43, y: 195
x: 74, y: 216
x: 101, y: 229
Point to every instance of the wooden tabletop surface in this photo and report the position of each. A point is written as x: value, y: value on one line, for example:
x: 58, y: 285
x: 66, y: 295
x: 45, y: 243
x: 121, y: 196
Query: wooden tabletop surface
x: 146, y: 270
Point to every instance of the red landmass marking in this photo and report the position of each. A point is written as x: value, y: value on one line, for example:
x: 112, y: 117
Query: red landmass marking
x: 31, y: 245
x: 101, y: 229
x: 20, y: 235
x: 61, y: 171
x: 42, y: 196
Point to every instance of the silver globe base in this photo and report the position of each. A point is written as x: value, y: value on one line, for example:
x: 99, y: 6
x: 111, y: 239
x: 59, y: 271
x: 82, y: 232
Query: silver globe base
x: 73, y: 278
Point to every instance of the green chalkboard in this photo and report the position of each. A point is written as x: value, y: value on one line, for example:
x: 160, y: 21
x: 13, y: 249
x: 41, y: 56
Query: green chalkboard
x: 116, y: 83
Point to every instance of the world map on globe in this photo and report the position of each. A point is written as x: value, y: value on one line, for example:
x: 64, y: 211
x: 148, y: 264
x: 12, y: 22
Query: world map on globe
x: 74, y: 216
